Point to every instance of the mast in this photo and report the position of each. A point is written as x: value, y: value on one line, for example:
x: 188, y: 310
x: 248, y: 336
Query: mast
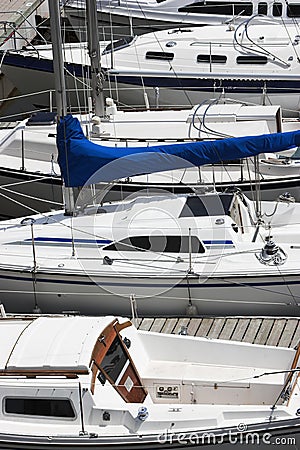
x: 60, y: 86
x: 94, y: 54
x: 58, y: 62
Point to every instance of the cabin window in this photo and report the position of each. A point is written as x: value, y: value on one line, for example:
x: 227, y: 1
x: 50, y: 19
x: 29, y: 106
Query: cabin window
x: 160, y: 244
x: 39, y: 407
x: 220, y: 8
x: 277, y: 9
x: 210, y: 205
x: 262, y: 8
x: 212, y: 59
x: 161, y: 56
x: 243, y: 9
x: 114, y: 360
x: 117, y: 45
x: 252, y: 59
x: 293, y: 10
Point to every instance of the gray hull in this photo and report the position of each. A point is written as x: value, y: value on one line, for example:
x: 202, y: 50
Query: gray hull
x: 284, y: 435
x: 59, y: 291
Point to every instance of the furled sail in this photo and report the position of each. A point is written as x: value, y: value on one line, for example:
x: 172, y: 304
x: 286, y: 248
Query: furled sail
x: 82, y: 162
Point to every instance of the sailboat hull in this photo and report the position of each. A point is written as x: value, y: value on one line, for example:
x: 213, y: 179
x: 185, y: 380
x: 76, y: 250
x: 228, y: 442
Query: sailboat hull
x: 180, y: 91
x: 282, y: 435
x: 55, y: 292
x: 129, y: 89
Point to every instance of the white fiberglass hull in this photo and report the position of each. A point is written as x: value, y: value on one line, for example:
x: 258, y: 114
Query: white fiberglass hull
x: 31, y: 75
x: 283, y: 435
x: 59, y: 291
x: 130, y: 93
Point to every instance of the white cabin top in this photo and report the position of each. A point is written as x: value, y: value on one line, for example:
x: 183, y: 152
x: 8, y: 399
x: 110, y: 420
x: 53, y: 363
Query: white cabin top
x: 61, y: 343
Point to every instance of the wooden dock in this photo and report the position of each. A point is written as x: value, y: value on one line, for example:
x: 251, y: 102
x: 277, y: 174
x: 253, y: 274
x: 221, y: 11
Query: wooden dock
x: 279, y: 332
x: 15, y: 15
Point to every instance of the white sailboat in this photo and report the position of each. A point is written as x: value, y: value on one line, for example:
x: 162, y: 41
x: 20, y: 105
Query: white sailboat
x: 218, y: 253
x: 119, y: 19
x: 29, y: 154
x: 256, y: 60
x: 211, y: 251
x: 83, y: 382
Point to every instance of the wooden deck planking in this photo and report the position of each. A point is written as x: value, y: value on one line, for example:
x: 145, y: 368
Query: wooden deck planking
x: 264, y: 331
x: 204, y: 326
x: 193, y: 326
x: 146, y: 324
x: 183, y: 322
x: 288, y: 333
x: 275, y: 331
x: 252, y: 330
x: 296, y: 337
x: 169, y: 326
x: 228, y: 328
x: 240, y: 329
x: 216, y: 328
x: 158, y: 324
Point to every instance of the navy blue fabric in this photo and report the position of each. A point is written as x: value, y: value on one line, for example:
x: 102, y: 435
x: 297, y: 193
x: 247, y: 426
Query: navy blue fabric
x: 83, y: 162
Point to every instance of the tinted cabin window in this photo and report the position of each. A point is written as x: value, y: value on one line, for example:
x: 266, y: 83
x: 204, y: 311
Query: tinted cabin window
x: 169, y: 244
x: 277, y: 9
x: 114, y: 360
x: 39, y: 407
x: 262, y: 8
x: 162, y: 56
x: 212, y: 59
x: 243, y: 9
x: 293, y: 10
x: 117, y: 45
x: 207, y: 206
x: 252, y: 59
x: 220, y: 8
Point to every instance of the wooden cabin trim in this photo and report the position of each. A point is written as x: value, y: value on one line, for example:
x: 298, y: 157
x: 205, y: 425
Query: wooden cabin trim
x: 137, y: 393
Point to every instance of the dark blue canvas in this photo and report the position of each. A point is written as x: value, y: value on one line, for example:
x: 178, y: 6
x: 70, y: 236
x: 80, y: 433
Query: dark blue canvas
x: 83, y: 162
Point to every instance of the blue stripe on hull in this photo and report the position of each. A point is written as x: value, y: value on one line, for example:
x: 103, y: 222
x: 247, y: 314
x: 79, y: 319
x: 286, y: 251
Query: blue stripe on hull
x: 234, y: 86
x: 245, y: 84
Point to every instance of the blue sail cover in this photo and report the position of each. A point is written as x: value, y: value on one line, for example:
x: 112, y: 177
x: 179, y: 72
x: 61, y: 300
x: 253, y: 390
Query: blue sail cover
x: 82, y: 162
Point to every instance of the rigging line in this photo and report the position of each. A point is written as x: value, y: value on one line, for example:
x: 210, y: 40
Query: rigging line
x: 257, y: 288
x: 289, y: 36
x: 288, y: 287
x: 30, y: 94
x: 233, y: 380
x: 139, y: 67
x: 272, y: 213
x: 21, y: 183
x: 19, y: 203
x: 161, y: 269
x: 84, y: 84
x: 262, y: 50
x: 216, y: 133
x: 74, y: 78
x: 171, y: 68
x: 31, y: 197
x: 175, y: 259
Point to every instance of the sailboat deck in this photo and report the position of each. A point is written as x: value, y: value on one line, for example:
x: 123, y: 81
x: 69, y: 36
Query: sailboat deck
x: 279, y: 332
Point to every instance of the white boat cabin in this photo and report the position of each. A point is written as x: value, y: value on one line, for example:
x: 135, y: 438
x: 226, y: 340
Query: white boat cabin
x: 101, y: 374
